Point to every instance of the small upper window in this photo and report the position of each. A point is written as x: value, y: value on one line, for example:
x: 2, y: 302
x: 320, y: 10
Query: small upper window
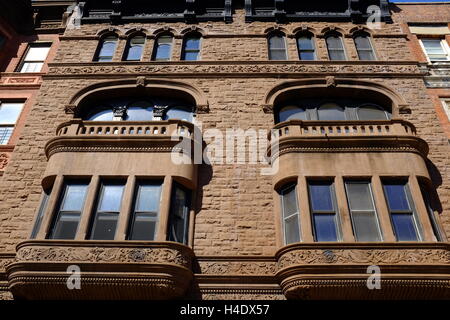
x: 35, y: 57
x: 135, y: 48
x: 107, y: 49
x: 191, y: 48
x: 277, y: 47
x: 335, y: 47
x: 436, y: 49
x: 306, y: 47
x: 163, y: 48
x: 364, y: 47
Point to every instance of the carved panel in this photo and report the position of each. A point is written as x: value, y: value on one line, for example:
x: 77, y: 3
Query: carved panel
x: 238, y: 268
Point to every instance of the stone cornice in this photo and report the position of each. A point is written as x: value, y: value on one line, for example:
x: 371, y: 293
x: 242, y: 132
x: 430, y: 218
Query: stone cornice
x: 181, y: 69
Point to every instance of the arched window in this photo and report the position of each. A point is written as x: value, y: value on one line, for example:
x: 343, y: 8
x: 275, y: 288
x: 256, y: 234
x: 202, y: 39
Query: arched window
x: 191, y: 47
x: 139, y: 111
x: 306, y: 47
x: 106, y: 49
x: 372, y: 112
x: 277, y: 47
x: 292, y: 112
x: 101, y: 114
x: 335, y: 46
x: 163, y: 48
x: 135, y: 48
x: 331, y: 111
x: 364, y: 46
x: 180, y: 113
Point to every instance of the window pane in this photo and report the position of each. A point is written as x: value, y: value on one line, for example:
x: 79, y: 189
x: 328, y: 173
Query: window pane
x: 305, y: 43
x: 276, y: 42
x: 144, y: 227
x: 276, y: 54
x: 136, y: 46
x: 140, y: 112
x: 325, y: 227
x: 74, y: 197
x: 289, y: 201
x: 32, y: 67
x: 366, y: 55
x: 365, y: 226
x: 107, y: 50
x: 191, y: 56
x: 404, y: 227
x: 434, y: 46
x: 291, y: 230
x: 321, y: 197
x: 9, y: 112
x: 66, y: 226
x: 359, y: 196
x: 104, y: 115
x: 307, y: 55
x: 291, y: 113
x: 111, y: 198
x: 42, y: 208
x: 334, y: 42
x: 179, y: 113
x: 179, y: 215
x: 428, y: 204
x: 148, y: 198
x: 371, y: 113
x: 396, y: 197
x: 105, y: 226
x: 5, y: 134
x: 192, y: 44
x: 331, y: 111
x: 37, y: 53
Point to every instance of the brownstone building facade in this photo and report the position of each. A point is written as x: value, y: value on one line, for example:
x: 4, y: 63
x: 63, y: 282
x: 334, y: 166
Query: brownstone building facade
x: 143, y: 163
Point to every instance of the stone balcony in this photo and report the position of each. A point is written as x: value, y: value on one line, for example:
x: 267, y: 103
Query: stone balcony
x: 340, y: 270
x: 108, y: 270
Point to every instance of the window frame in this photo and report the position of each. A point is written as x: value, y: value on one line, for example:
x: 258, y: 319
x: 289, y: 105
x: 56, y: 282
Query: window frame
x: 23, y: 61
x: 157, y: 44
x: 297, y: 213
x: 314, y: 45
x: 375, y: 211
x: 184, y: 50
x: 370, y: 41
x: 45, y: 195
x: 446, y: 106
x: 386, y: 113
x: 128, y: 47
x: 413, y: 211
x: 188, y: 205
x: 285, y: 49
x: 337, y: 219
x: 100, y: 45
x: 444, y: 45
x: 11, y: 126
x: 341, y: 39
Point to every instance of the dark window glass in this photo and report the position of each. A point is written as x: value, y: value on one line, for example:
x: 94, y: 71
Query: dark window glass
x: 364, y: 48
x: 362, y: 211
x: 135, y: 47
x: 290, y: 215
x: 371, y: 112
x: 179, y: 215
x: 146, y: 211
x: 108, y: 209
x: 107, y: 49
x: 277, y: 47
x: 403, y: 216
x: 191, y: 48
x: 292, y: 113
x: 323, y: 211
x: 331, y: 112
x: 40, y: 215
x: 163, y: 48
x: 306, y: 49
x: 68, y: 216
x: 335, y: 47
x: 426, y: 194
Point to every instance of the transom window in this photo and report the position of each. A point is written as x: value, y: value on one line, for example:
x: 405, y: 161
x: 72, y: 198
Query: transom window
x: 331, y: 110
x: 35, y: 57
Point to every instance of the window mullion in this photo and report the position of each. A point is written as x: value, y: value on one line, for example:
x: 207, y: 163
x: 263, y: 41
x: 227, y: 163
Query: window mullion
x: 88, y: 208
x: 126, y: 208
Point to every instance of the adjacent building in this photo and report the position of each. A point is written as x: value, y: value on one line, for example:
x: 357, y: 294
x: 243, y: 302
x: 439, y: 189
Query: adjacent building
x: 227, y: 150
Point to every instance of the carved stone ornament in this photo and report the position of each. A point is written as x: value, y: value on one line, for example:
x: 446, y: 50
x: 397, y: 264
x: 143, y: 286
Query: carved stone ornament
x: 140, y: 82
x: 331, y: 82
x: 202, y: 108
x: 4, y: 159
x: 267, y: 108
x: 120, y: 111
x: 70, y: 108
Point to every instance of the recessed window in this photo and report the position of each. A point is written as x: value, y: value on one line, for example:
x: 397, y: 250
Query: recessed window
x: 427, y: 198
x: 292, y: 113
x: 364, y: 47
x: 306, y: 47
x: 403, y: 216
x: 335, y: 47
x: 9, y: 113
x: 163, y: 48
x: 362, y: 210
x: 71, y: 206
x: 372, y: 112
x: 290, y: 214
x: 108, y: 208
x: 145, y: 216
x: 277, y: 47
x: 178, y: 230
x: 40, y: 215
x: 139, y: 111
x: 436, y: 49
x: 180, y: 113
x: 35, y: 57
x: 324, y: 214
x: 191, y: 48
x: 107, y: 48
x: 331, y: 111
x: 134, y: 49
